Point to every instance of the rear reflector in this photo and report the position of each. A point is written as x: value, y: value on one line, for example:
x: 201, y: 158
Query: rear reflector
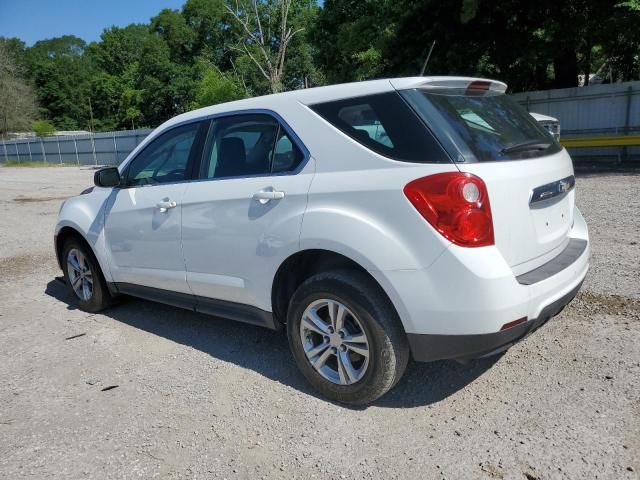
x: 513, y: 324
x: 456, y: 204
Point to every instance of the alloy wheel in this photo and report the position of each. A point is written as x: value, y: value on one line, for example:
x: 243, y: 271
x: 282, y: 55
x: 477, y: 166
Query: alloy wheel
x: 80, y: 275
x: 334, y: 342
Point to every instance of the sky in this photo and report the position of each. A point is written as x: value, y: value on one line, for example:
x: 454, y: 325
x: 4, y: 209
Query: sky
x: 33, y: 20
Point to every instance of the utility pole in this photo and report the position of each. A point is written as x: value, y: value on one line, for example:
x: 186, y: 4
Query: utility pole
x: 93, y: 143
x: 90, y: 116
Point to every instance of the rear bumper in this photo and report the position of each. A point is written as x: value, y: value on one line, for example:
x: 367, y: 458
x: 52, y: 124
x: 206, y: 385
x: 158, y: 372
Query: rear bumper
x: 457, y: 307
x: 428, y: 348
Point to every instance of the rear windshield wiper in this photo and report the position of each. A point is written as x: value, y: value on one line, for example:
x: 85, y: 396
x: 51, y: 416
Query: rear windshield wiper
x: 521, y: 147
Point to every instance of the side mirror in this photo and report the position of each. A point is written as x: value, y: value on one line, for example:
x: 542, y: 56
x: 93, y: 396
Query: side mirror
x: 107, y: 177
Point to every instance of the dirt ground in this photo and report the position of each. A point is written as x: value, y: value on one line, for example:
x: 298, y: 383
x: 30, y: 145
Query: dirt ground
x: 150, y: 391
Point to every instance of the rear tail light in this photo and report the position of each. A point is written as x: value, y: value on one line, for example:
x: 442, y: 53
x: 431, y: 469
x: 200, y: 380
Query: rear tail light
x: 456, y: 204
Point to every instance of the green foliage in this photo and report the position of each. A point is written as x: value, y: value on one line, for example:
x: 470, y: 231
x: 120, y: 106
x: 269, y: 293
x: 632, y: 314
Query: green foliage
x: 118, y: 48
x: 212, y: 51
x: 631, y: 4
x: 208, y: 20
x: 353, y: 38
x: 173, y: 29
x: 217, y: 87
x: 43, y: 128
x: 17, y: 100
x: 530, y: 45
x: 61, y: 73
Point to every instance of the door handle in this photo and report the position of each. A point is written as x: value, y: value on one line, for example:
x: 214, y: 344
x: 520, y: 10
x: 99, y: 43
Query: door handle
x: 268, y: 195
x: 164, y: 206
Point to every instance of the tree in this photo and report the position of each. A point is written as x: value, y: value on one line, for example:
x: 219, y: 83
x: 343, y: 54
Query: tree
x: 266, y: 50
x: 215, y: 50
x: 115, y: 91
x: 118, y: 48
x: 352, y: 38
x: 173, y: 28
x: 43, y: 128
x: 17, y: 100
x: 217, y: 87
x: 530, y: 45
x: 62, y: 76
x: 208, y: 20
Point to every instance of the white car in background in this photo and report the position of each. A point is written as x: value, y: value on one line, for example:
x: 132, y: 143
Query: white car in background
x: 427, y: 216
x: 550, y: 124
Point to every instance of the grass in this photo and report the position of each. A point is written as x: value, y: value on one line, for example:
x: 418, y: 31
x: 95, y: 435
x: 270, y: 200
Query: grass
x: 16, y: 163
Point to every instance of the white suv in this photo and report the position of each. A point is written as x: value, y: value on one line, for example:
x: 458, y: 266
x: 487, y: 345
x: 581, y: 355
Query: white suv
x: 429, y: 215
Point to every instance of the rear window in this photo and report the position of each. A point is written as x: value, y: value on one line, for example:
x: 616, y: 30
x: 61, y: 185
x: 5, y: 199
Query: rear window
x: 385, y: 124
x: 490, y: 124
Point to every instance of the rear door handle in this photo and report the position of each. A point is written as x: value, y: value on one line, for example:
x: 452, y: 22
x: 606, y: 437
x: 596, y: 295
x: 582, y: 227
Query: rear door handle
x: 268, y: 195
x: 164, y: 206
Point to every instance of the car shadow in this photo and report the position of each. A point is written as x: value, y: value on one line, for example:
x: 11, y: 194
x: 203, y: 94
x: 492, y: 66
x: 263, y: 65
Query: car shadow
x: 267, y: 352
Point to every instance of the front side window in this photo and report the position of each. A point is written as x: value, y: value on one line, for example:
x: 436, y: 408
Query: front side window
x: 248, y: 145
x: 492, y: 126
x: 165, y: 159
x: 385, y: 124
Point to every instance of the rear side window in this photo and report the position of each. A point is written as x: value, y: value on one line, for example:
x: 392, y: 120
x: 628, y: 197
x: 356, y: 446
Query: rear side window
x: 492, y: 126
x: 385, y: 124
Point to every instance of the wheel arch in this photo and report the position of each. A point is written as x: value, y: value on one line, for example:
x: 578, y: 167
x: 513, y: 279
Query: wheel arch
x: 298, y: 267
x: 65, y: 233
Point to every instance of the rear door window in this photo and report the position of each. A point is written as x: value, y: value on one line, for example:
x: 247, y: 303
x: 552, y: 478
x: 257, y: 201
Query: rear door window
x: 488, y: 123
x: 385, y: 124
x: 248, y: 145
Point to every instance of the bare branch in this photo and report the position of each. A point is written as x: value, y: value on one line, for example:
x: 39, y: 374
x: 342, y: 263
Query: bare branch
x: 285, y: 13
x: 252, y: 36
x: 245, y: 24
x: 255, y: 7
x: 291, y: 34
x: 246, y: 50
x: 272, y: 65
x: 239, y: 77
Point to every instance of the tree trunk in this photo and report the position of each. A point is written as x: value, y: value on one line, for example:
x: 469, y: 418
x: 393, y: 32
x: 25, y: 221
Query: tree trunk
x: 587, y: 64
x: 565, y: 65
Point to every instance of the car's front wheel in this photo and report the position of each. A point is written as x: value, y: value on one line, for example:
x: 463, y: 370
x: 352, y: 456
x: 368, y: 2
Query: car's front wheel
x: 83, y: 276
x: 346, y: 337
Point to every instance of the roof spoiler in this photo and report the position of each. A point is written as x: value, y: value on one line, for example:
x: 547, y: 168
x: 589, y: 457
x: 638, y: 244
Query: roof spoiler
x: 467, y: 83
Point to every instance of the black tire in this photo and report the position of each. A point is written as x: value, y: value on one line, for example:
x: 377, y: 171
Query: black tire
x: 387, y: 341
x: 100, y: 297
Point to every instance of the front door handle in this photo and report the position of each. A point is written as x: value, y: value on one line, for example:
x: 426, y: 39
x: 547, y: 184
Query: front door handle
x: 164, y: 206
x: 268, y: 195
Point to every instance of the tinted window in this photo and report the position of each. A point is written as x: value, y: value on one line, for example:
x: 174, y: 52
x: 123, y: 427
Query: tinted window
x: 165, y: 159
x: 246, y: 145
x: 492, y: 125
x: 385, y: 124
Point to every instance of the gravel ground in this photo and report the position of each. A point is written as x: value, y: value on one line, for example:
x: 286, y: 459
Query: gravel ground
x: 146, y: 390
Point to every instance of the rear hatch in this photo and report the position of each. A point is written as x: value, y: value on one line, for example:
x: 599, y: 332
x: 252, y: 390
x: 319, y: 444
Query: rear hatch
x: 529, y: 176
x: 528, y: 233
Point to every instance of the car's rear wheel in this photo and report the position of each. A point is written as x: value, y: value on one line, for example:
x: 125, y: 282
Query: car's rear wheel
x: 83, y: 276
x: 346, y: 337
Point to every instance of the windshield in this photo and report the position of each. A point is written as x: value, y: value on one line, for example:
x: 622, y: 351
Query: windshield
x: 490, y: 126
